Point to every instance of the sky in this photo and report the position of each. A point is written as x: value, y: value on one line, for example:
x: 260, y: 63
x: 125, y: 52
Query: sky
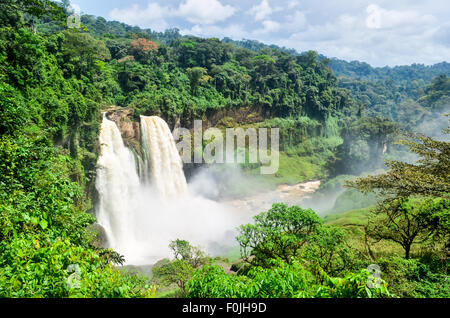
x: 379, y: 32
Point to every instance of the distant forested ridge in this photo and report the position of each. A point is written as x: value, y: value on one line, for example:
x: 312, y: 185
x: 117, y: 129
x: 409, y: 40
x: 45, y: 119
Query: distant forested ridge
x: 398, y: 74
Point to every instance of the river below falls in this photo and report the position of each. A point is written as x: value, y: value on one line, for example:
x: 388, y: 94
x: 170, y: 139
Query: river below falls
x: 288, y: 194
x: 253, y: 205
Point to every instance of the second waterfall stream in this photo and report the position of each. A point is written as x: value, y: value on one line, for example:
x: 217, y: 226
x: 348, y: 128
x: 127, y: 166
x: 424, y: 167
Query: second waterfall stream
x: 141, y: 214
x: 162, y: 158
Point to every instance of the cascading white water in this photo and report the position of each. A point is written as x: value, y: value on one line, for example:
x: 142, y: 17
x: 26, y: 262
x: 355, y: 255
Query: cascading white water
x: 117, y: 184
x: 141, y: 215
x: 162, y: 158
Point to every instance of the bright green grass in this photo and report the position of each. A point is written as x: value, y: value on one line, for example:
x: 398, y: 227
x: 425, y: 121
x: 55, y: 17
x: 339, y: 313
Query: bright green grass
x: 357, y: 217
x: 353, y: 223
x: 292, y: 170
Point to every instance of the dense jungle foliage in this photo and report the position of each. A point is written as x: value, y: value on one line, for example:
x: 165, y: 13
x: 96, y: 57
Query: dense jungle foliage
x: 334, y: 117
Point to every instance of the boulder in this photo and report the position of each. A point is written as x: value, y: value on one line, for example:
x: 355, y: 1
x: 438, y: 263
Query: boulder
x: 98, y: 235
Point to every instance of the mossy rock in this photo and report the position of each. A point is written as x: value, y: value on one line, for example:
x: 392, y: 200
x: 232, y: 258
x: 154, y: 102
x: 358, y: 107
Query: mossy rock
x: 226, y: 122
x: 97, y: 234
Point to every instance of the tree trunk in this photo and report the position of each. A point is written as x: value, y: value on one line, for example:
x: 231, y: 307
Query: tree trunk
x: 407, y: 250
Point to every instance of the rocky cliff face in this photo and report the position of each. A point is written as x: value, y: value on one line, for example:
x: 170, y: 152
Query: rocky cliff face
x: 227, y: 117
x: 128, y: 126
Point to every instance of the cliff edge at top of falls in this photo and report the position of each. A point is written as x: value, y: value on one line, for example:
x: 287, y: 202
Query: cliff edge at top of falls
x: 128, y: 126
x: 230, y: 117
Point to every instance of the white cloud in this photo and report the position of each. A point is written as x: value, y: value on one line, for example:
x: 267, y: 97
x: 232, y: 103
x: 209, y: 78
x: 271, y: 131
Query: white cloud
x: 152, y: 16
x: 292, y: 4
x: 442, y: 34
x: 347, y: 22
x: 295, y: 22
x: 268, y: 27
x: 234, y: 31
x: 155, y: 15
x: 379, y: 18
x: 396, y: 41
x: 261, y: 10
x: 205, y: 11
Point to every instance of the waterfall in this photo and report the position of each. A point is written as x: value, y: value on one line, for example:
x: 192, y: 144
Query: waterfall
x: 162, y: 158
x: 144, y: 203
x: 117, y: 184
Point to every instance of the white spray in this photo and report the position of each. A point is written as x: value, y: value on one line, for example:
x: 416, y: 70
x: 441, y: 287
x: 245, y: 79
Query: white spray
x: 141, y: 216
x: 117, y: 184
x: 161, y: 156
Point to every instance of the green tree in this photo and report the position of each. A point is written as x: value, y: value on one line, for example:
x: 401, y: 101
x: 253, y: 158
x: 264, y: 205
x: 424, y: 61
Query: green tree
x: 13, y: 112
x: 177, y: 272
x: 197, y: 76
x: 43, y: 224
x: 406, y: 222
x: 437, y: 94
x: 184, y: 251
x: 400, y: 219
x: 328, y: 249
x: 81, y: 53
x: 277, y: 233
x: 180, y: 270
x: 429, y: 176
x: 11, y: 11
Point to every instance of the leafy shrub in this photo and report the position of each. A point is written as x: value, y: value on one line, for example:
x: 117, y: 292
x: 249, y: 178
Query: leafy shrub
x: 36, y: 266
x: 281, y: 280
x: 277, y: 233
x: 416, y: 278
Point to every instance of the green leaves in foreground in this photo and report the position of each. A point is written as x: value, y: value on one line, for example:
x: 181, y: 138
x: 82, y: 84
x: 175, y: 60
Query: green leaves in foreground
x: 42, y: 229
x: 281, y: 280
x: 35, y: 266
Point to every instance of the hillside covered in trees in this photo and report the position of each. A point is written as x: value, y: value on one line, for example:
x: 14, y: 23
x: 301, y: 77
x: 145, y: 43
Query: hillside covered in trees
x: 337, y: 120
